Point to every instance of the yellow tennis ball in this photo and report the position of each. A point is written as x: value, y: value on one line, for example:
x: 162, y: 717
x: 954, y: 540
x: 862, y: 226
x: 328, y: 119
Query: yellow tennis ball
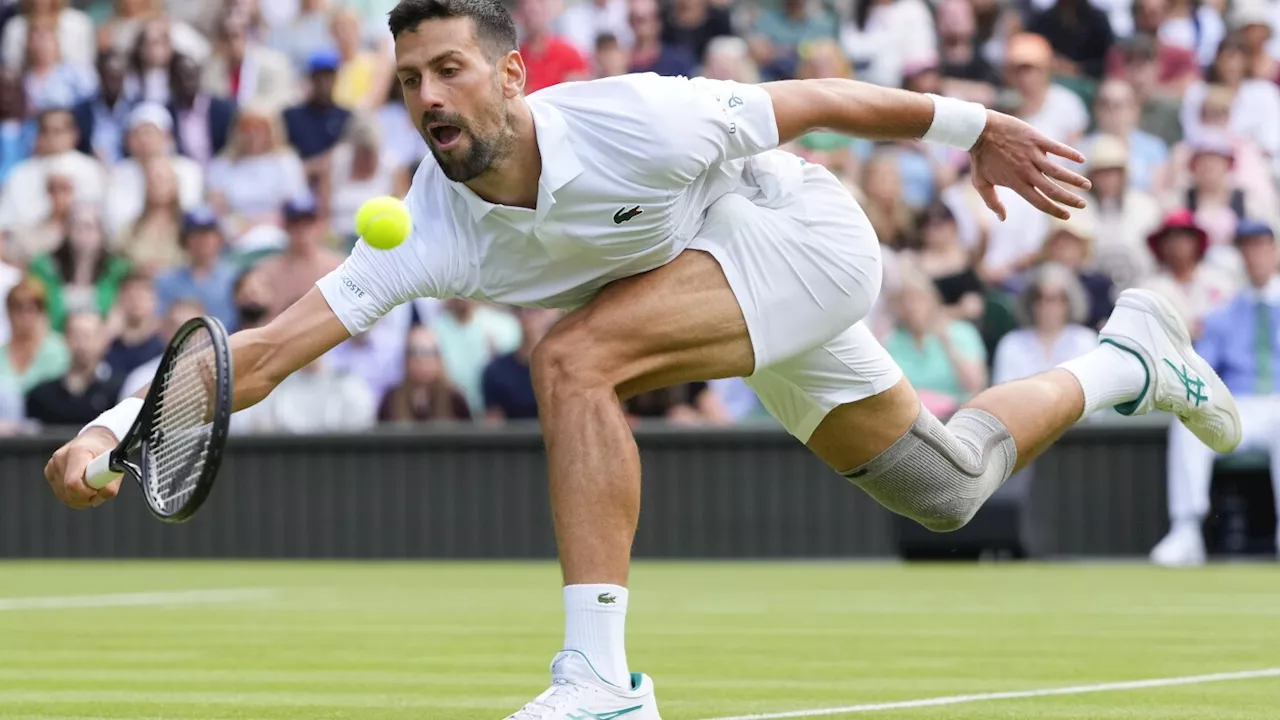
x: 383, y: 222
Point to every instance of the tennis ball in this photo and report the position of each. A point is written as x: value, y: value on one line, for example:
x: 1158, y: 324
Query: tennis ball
x: 383, y: 222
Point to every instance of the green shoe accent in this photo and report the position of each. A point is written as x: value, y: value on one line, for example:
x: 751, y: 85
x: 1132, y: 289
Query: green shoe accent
x: 1130, y: 407
x: 636, y: 679
x: 588, y: 715
x: 1192, y: 384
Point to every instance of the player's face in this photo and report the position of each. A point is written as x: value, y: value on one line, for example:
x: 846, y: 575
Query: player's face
x: 457, y: 95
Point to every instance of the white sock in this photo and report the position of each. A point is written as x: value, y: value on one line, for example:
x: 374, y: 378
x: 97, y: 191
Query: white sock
x: 1109, y: 376
x: 595, y: 624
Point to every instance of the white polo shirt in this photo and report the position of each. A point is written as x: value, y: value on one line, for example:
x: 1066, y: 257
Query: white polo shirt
x: 630, y: 165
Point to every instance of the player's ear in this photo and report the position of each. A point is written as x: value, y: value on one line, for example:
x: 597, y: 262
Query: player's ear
x: 511, y: 74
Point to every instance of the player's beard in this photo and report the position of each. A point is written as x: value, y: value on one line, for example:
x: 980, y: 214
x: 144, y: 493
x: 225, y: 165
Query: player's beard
x: 464, y: 164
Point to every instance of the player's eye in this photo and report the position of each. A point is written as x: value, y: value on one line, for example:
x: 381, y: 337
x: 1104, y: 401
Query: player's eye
x: 448, y: 71
x: 411, y: 81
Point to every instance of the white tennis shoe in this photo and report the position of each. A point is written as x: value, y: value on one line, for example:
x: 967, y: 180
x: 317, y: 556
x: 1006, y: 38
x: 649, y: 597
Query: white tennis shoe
x: 578, y: 693
x: 1179, y: 381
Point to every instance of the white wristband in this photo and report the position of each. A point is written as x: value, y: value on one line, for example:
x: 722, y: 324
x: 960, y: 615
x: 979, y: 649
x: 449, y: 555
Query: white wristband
x: 956, y: 123
x: 119, y: 418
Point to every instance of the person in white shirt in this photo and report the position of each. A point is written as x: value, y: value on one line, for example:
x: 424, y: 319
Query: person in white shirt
x: 24, y: 197
x: 150, y: 136
x: 1055, y: 307
x: 659, y: 212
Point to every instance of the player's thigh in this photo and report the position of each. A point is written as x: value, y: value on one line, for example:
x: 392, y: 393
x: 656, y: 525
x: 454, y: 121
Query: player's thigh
x: 847, y: 400
x: 678, y: 323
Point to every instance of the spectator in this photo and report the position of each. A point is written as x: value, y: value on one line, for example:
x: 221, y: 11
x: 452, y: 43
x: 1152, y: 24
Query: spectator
x: 256, y: 174
x: 693, y: 24
x: 150, y: 59
x: 470, y: 335
x: 24, y: 198
x: 313, y: 400
x: 201, y: 122
x: 611, y: 59
x: 247, y: 71
x: 1125, y: 216
x: 81, y: 274
x: 1070, y: 247
x: 582, y: 23
x: 103, y: 119
x: 966, y: 73
x: 648, y: 53
x: 150, y: 139
x: 1254, y: 101
x: 376, y: 355
x: 178, y: 314
x: 152, y: 241
x: 1116, y: 108
x: 427, y: 393
x: 361, y: 81
x: 1251, y: 169
x: 886, y: 35
x: 1251, y: 20
x: 885, y: 207
x: 35, y: 352
x: 1176, y: 66
x: 400, y: 133
x: 1080, y: 35
x: 1194, y: 287
x: 293, y: 272
x: 17, y: 129
x: 549, y: 59
x: 316, y: 125
x: 780, y: 30
x: 1241, y: 342
x: 138, y: 339
x: 949, y: 264
x: 49, y: 80
x: 305, y: 35
x: 1050, y: 108
x: 1159, y: 105
x: 943, y: 358
x: 73, y: 31
x: 729, y: 58
x: 1194, y: 25
x: 1054, y: 308
x: 9, y: 277
x: 361, y: 169
x: 506, y: 383
x: 206, y: 276
x: 89, y: 387
x: 253, y: 299
x: 141, y: 26
x: 46, y: 236
x: 684, y: 404
x: 1218, y: 202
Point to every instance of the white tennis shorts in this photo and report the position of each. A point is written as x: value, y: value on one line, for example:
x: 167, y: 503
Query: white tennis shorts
x: 806, y: 271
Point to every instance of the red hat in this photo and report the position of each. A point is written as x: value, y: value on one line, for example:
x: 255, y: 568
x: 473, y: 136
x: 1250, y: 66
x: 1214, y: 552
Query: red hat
x: 1178, y: 220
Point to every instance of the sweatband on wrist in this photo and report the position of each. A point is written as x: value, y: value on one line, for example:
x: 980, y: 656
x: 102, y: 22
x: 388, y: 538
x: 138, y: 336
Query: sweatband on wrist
x: 118, y: 419
x: 956, y: 123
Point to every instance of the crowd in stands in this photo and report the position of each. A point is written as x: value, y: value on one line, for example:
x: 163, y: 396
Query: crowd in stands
x: 165, y: 159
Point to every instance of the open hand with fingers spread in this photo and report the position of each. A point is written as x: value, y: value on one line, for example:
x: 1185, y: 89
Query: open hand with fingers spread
x: 1012, y: 154
x: 65, y: 470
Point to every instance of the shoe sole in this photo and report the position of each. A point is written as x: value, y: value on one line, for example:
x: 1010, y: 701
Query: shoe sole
x: 1151, y: 303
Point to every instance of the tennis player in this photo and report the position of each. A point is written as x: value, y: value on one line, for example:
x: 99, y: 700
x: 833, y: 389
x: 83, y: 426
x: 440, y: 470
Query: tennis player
x: 659, y: 211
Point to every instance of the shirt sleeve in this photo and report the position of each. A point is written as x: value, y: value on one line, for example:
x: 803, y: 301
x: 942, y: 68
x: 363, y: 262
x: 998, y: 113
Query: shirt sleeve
x: 701, y: 122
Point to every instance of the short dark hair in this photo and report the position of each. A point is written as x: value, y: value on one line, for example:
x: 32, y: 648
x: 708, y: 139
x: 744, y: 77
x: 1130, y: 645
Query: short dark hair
x: 495, y: 29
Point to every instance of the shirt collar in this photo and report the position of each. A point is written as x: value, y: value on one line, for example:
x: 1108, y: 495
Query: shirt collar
x: 1269, y: 294
x: 560, y: 162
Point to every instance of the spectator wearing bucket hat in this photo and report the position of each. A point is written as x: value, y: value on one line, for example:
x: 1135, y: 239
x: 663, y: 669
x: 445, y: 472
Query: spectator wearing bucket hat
x: 1195, y: 287
x: 1125, y: 216
x: 1241, y: 341
x: 1252, y: 20
x: 149, y: 138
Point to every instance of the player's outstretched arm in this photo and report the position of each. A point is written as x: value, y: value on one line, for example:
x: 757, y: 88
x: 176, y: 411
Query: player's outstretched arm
x: 261, y: 358
x: 1005, y: 151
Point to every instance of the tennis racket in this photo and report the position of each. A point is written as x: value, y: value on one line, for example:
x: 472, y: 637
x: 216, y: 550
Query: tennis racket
x: 175, y: 445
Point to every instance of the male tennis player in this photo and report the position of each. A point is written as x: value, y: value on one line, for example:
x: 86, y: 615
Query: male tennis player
x: 659, y: 211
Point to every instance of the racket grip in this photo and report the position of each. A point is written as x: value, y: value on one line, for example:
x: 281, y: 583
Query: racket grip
x: 99, y: 473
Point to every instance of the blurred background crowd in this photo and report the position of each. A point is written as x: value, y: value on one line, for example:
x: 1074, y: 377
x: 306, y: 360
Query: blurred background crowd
x: 161, y: 159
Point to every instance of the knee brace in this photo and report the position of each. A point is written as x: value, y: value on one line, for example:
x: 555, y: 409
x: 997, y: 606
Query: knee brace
x: 940, y: 475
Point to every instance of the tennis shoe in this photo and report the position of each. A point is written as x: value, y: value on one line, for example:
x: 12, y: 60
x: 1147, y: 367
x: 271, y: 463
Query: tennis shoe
x: 577, y: 692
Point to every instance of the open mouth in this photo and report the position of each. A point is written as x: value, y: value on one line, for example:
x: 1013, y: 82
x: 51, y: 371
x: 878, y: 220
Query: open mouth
x: 444, y: 136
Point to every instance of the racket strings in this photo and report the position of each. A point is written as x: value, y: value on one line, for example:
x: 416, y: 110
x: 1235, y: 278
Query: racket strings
x: 178, y: 443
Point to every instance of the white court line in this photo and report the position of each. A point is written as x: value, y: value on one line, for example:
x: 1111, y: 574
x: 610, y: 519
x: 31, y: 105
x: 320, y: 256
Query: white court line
x: 1047, y: 692
x: 180, y: 597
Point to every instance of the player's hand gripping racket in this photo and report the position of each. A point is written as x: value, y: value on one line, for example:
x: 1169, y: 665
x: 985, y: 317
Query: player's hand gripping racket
x: 175, y: 445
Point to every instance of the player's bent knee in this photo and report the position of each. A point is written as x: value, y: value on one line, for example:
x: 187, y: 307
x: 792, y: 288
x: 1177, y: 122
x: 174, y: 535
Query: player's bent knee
x: 566, y: 363
x: 940, y: 475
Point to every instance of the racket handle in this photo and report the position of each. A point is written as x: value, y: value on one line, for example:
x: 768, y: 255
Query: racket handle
x: 99, y: 473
